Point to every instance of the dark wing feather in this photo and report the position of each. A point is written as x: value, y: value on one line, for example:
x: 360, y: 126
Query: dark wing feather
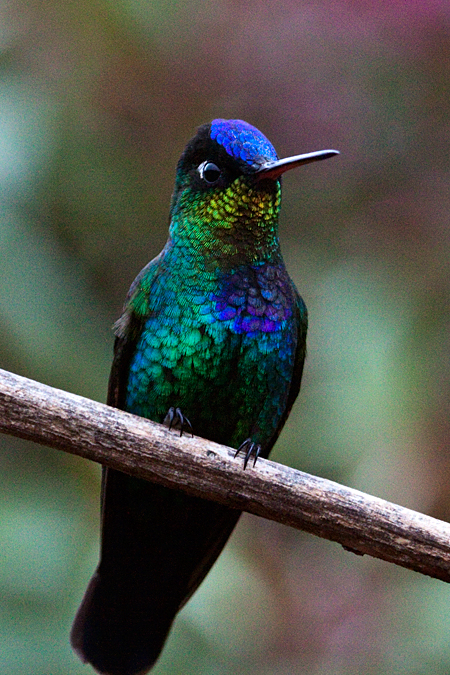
x: 299, y: 360
x: 300, y: 354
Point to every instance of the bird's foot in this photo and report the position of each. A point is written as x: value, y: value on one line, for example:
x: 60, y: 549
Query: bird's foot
x: 175, y: 419
x: 249, y: 448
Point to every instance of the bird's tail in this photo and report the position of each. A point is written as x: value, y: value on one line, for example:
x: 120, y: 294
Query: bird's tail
x: 114, y: 630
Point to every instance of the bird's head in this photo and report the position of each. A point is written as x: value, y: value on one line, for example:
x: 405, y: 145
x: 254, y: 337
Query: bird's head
x: 227, y: 193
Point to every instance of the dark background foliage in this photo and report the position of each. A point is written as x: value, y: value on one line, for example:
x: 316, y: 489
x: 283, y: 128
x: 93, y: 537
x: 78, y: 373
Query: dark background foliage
x: 97, y: 100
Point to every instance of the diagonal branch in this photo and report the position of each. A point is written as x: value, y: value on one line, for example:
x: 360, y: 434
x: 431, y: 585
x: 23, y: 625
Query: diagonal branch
x: 148, y: 450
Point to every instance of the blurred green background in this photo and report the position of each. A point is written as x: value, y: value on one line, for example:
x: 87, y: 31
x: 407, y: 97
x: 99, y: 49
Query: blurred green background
x: 97, y: 100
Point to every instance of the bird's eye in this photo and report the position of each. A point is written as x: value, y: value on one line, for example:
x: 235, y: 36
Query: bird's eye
x: 209, y: 172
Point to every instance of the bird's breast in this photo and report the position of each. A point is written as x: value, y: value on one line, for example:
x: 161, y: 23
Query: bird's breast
x: 216, y: 344
x: 254, y: 299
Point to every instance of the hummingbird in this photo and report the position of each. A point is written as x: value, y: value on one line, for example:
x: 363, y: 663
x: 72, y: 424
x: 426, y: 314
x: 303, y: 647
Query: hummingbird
x: 212, y: 340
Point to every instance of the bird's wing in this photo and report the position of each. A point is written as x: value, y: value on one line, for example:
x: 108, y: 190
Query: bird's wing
x: 301, y: 316
x: 300, y: 353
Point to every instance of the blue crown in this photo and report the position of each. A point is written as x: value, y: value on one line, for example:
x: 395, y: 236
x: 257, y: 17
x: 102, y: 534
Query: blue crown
x: 243, y: 141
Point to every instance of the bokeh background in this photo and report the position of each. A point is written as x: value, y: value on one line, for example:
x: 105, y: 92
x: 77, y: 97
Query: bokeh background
x: 97, y: 99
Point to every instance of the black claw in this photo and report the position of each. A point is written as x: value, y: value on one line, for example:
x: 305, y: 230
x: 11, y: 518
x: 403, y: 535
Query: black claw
x: 176, y: 420
x: 168, y: 420
x: 250, y: 448
x: 184, y: 422
x: 257, y: 453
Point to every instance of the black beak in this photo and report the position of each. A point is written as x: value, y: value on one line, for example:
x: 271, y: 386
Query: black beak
x: 275, y: 169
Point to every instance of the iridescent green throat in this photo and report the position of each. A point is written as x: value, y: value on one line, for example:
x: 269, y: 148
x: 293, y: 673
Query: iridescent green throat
x: 235, y: 225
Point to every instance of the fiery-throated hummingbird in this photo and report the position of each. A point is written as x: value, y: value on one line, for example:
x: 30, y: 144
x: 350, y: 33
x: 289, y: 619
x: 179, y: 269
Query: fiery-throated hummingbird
x: 212, y: 339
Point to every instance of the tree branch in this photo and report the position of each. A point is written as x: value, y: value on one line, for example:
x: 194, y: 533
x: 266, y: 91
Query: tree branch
x: 142, y: 448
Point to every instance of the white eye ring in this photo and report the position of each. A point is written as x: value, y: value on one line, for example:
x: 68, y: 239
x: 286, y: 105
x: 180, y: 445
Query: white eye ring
x: 209, y: 172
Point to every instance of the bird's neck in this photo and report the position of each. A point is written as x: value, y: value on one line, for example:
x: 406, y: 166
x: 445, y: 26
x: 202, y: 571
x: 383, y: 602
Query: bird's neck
x: 226, y: 232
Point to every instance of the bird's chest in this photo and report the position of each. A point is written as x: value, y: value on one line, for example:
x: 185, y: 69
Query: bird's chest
x: 209, y: 340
